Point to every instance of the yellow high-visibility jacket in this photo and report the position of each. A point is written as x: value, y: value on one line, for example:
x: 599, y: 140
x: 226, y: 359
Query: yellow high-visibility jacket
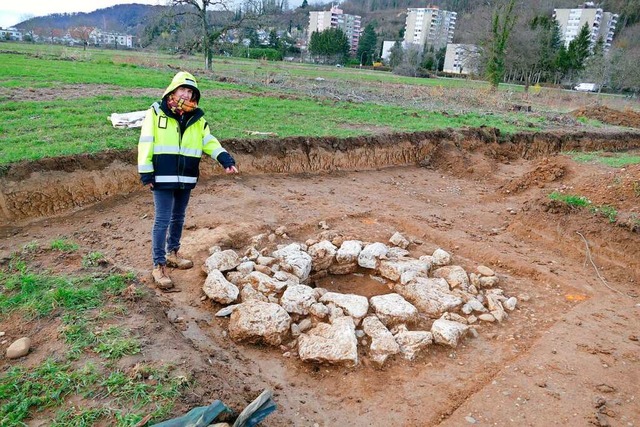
x: 169, y: 158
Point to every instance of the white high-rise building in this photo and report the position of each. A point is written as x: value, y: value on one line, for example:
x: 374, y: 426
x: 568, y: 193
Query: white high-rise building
x: 429, y: 26
x: 335, y: 18
x: 601, y: 24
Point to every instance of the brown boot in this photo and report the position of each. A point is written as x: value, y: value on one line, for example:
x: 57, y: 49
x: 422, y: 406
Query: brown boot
x: 174, y: 260
x: 162, y: 279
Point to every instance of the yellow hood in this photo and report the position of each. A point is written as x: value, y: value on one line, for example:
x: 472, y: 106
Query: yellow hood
x: 183, y: 79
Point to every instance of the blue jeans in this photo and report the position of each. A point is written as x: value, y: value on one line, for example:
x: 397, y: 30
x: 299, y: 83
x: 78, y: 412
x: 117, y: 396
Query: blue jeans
x: 170, y: 208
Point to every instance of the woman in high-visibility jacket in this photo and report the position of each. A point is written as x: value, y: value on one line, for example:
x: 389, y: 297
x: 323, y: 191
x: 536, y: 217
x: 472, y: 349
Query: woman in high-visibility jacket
x: 174, y: 135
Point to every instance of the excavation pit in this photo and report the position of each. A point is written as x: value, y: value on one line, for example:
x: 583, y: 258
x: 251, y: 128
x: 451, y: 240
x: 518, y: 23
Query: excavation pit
x: 402, y: 306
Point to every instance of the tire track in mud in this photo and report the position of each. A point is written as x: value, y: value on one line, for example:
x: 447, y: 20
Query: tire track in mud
x: 54, y: 186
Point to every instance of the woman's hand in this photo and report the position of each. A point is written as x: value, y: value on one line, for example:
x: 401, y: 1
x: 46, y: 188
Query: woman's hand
x: 231, y: 169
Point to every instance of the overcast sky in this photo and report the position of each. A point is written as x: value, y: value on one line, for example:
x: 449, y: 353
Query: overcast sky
x: 14, y: 11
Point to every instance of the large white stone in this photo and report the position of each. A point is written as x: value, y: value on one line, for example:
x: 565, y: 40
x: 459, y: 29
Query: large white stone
x: 219, y: 289
x: 448, y: 332
x: 330, y: 343
x: 355, y: 306
x: 399, y: 240
x: 455, y: 276
x: 223, y: 261
x: 19, y: 348
x: 412, y: 342
x: 394, y: 269
x: 256, y: 321
x: 392, y: 309
x: 298, y: 299
x: 322, y: 255
x: 370, y: 256
x: 441, y: 257
x: 429, y: 296
x: 383, y: 344
x: 263, y: 283
x: 248, y: 293
x: 348, y: 252
x: 292, y: 258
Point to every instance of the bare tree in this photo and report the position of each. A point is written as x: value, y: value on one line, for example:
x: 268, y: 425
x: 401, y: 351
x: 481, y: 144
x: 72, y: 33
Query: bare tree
x: 81, y: 33
x: 203, y: 9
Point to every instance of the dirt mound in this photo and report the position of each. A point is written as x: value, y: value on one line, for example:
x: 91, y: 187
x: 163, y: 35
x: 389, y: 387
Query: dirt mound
x: 545, y: 171
x: 610, y: 116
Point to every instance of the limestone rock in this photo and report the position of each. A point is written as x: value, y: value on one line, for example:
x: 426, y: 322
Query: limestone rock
x: 246, y: 267
x: 399, y: 240
x: 322, y: 255
x: 485, y: 271
x: 263, y: 283
x: 226, y: 311
x: 293, y: 259
x: 348, y: 252
x: 19, y: 348
x: 319, y: 310
x: 473, y: 305
x: 298, y: 299
x: 330, y: 343
x: 448, y: 332
x: 355, y: 306
x: 396, y: 253
x: 265, y: 260
x: 392, y: 309
x: 370, y: 256
x: 487, y: 317
x: 383, y: 344
x: 343, y: 268
x: 219, y: 289
x: 248, y: 293
x: 256, y: 321
x: 455, y: 276
x: 252, y: 254
x: 222, y: 261
x: 394, y: 269
x: 428, y: 296
x: 441, y: 257
x: 412, y: 342
x: 234, y: 277
x: 488, y: 281
x: 510, y: 304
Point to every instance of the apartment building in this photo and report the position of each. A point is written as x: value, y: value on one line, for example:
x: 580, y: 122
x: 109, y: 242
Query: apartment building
x: 10, y: 34
x: 429, y: 26
x: 461, y: 59
x: 601, y: 24
x: 98, y: 37
x: 335, y: 18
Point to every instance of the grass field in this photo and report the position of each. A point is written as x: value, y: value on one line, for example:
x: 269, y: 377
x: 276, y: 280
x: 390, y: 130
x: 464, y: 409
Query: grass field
x: 56, y: 99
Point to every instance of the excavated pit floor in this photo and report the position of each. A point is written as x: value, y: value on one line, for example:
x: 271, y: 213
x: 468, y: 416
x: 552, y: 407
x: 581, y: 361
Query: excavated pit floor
x: 571, y: 341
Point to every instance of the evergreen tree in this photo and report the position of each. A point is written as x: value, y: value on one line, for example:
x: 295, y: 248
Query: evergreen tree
x: 579, y: 49
x: 273, y: 39
x: 501, y: 25
x: 367, y: 45
x: 331, y: 43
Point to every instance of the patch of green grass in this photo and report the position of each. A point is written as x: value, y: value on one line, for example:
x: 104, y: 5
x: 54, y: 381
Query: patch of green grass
x: 82, y: 303
x: 614, y: 160
x: 25, y: 390
x: 31, y: 247
x: 38, y: 295
x: 114, y: 343
x: 64, y: 245
x: 607, y: 211
x: 570, y: 199
x: 92, y: 259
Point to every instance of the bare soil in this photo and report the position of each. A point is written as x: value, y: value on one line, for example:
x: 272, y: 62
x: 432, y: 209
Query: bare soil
x: 569, y: 354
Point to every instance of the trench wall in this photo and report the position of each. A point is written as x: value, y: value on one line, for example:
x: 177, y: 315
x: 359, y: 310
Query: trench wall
x: 57, y: 185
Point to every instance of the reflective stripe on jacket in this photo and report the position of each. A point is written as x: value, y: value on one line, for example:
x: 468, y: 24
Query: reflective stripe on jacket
x: 169, y: 160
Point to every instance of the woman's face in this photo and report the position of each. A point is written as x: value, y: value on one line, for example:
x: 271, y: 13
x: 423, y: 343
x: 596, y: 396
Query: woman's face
x: 184, y: 93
